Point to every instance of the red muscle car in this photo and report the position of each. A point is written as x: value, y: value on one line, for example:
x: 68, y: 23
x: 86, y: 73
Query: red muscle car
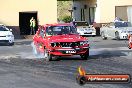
x: 60, y: 40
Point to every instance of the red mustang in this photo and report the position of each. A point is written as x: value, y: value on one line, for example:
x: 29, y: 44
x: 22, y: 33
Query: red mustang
x: 60, y: 40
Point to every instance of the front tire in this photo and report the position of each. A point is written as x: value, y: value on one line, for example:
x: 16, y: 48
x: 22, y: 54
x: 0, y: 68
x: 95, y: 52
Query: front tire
x: 85, y: 55
x: 47, y: 55
x: 103, y: 36
x: 117, y: 35
x: 11, y: 44
x: 93, y: 35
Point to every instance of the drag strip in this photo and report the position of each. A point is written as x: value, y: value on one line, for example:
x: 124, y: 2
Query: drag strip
x: 20, y: 68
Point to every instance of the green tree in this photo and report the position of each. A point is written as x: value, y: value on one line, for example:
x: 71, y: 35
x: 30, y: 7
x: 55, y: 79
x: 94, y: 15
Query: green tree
x: 66, y: 19
x: 62, y: 9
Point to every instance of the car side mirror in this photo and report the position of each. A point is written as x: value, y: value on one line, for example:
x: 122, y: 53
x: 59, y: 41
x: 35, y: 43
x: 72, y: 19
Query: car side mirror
x: 110, y: 26
x: 10, y: 30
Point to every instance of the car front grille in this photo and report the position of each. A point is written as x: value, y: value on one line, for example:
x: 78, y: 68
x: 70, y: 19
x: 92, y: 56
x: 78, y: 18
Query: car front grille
x: 65, y: 44
x: 4, y: 41
x: 129, y: 31
x: 88, y: 33
x: 2, y: 36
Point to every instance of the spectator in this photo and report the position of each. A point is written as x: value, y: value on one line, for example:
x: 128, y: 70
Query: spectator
x: 32, y: 26
x: 117, y: 19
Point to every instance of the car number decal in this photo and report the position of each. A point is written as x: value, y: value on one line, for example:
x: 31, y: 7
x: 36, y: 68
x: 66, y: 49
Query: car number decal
x: 70, y: 51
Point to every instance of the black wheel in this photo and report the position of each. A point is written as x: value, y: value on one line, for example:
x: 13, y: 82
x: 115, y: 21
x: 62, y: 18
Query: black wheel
x: 85, y: 55
x: 11, y: 44
x: 93, y: 35
x: 47, y: 55
x: 129, y: 46
x: 81, y: 80
x: 117, y: 35
x: 103, y: 36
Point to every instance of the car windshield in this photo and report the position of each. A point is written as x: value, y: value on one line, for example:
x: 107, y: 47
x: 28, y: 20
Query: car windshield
x: 2, y: 28
x: 59, y: 30
x: 81, y: 23
x: 122, y: 24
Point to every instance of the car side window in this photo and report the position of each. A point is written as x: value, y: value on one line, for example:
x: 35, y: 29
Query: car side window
x: 2, y: 28
x: 41, y: 33
x: 49, y: 31
x: 111, y: 25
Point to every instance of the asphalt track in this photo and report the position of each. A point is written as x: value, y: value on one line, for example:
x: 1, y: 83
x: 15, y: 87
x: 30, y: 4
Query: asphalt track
x: 19, y: 68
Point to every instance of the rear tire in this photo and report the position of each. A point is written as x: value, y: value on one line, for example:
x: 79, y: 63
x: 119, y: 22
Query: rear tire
x: 85, y: 55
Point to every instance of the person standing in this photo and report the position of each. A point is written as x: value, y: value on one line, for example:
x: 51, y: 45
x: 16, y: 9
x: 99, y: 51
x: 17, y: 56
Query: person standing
x: 32, y: 26
x: 117, y: 19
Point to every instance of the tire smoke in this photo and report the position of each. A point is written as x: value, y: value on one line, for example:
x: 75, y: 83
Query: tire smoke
x: 38, y: 55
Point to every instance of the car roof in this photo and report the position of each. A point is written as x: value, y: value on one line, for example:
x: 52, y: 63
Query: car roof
x: 58, y: 24
x: 79, y: 21
x: 119, y: 22
x: 2, y: 25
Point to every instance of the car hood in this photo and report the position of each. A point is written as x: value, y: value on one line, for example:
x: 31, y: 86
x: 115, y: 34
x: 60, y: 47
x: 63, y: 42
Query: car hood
x: 66, y: 38
x: 4, y: 33
x: 83, y: 27
x: 125, y: 28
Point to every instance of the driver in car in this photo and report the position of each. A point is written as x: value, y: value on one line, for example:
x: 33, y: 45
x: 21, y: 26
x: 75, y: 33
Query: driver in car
x: 65, y: 30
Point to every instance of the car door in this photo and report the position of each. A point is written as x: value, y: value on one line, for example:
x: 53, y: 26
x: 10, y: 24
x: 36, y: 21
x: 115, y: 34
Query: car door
x: 111, y: 30
x: 38, y: 39
x: 41, y: 38
x: 103, y: 29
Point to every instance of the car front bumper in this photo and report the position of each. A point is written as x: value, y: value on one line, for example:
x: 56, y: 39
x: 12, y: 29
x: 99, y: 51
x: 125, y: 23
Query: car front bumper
x: 87, y: 33
x: 4, y: 39
x: 69, y: 51
x: 124, y: 35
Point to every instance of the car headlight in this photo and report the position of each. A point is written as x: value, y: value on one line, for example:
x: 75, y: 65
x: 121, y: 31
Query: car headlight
x: 55, y: 44
x: 81, y: 29
x: 124, y: 32
x: 84, y: 42
x: 94, y: 29
x: 9, y: 35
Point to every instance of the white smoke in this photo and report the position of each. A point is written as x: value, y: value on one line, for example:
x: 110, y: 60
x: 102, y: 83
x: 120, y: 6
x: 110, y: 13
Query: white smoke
x: 38, y: 55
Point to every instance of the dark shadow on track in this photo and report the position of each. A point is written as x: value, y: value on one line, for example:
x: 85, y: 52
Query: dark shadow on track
x: 23, y: 43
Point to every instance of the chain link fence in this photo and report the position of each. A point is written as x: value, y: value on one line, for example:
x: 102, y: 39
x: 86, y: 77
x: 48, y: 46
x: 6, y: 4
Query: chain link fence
x: 63, y: 8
